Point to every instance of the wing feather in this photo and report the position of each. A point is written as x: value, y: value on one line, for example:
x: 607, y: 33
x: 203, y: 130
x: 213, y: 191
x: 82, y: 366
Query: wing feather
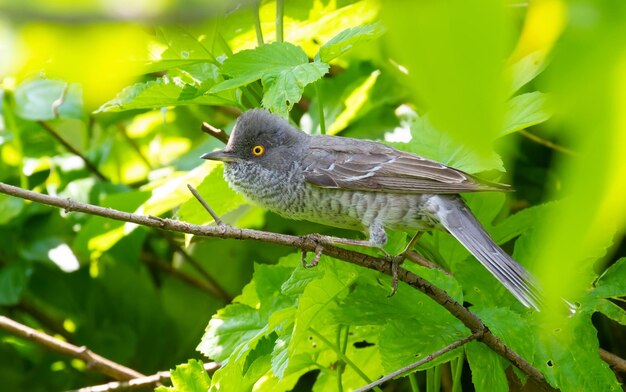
x: 369, y: 166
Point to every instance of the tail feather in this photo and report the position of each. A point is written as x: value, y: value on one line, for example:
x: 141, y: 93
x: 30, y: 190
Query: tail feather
x: 454, y: 215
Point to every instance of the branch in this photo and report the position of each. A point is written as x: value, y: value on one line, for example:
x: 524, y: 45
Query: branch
x: 616, y: 363
x: 216, y: 132
x: 426, y: 359
x: 307, y: 243
x: 546, y: 143
x: 90, y: 166
x: 141, y: 382
x: 177, y: 273
x: 93, y: 360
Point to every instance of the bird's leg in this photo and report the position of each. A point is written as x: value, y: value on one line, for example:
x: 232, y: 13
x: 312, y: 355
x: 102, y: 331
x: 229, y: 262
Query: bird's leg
x: 396, y: 261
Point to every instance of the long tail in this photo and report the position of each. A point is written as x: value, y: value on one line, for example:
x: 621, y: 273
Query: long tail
x: 456, y: 217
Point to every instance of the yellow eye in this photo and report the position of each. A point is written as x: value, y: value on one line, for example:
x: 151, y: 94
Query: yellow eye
x: 258, y: 150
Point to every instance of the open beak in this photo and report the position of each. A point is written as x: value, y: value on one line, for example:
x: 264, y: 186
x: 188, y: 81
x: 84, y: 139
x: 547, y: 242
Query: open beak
x: 220, y: 155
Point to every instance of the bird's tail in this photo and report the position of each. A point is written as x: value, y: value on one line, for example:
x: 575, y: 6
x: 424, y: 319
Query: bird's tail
x: 456, y: 217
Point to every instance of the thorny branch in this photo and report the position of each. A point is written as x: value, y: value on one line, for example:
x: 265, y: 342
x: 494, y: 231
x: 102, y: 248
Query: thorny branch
x: 469, y: 319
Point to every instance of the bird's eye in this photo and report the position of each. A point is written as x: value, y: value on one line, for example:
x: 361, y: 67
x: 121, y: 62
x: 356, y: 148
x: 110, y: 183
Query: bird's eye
x: 258, y: 150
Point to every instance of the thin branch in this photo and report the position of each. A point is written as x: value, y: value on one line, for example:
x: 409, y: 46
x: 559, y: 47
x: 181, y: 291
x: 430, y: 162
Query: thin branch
x: 280, y: 10
x: 216, y: 132
x: 426, y: 359
x: 90, y: 165
x: 133, y: 144
x: 616, y: 363
x: 546, y: 142
x: 469, y: 319
x: 177, y: 273
x: 257, y: 22
x: 44, y: 318
x: 93, y: 360
x: 215, y: 287
x: 141, y: 382
x: 206, y: 206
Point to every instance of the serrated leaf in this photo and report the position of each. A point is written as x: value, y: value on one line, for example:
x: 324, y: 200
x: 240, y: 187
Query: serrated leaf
x: 487, y: 368
x: 285, y: 89
x: 165, y: 91
x: 189, y: 377
x: 612, y: 311
x: 612, y: 282
x: 283, y: 68
x: 36, y: 100
x: 348, y: 39
x: 524, y: 111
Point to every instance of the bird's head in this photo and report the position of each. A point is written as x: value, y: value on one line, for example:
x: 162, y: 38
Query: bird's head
x: 260, y: 137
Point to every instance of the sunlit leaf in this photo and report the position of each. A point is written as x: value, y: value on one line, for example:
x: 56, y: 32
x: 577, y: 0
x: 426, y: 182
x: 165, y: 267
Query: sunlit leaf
x: 189, y: 377
x: 524, y: 111
x: 45, y: 99
x: 283, y: 68
x: 348, y: 39
x: 165, y: 91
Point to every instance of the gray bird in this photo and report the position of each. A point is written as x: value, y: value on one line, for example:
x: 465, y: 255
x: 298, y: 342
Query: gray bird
x: 361, y: 185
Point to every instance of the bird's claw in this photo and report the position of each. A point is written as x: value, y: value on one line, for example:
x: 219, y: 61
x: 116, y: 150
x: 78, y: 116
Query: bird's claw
x: 395, y: 267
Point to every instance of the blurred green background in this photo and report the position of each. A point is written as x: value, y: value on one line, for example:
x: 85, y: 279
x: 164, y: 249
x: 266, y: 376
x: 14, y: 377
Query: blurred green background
x: 102, y: 102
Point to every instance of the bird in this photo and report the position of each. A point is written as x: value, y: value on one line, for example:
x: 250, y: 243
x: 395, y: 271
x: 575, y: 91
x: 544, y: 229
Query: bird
x: 361, y: 185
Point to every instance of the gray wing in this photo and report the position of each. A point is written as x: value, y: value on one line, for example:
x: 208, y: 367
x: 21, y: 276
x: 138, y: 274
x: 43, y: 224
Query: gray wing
x: 335, y: 162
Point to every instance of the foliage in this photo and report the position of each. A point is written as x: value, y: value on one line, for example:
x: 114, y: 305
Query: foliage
x: 457, y: 85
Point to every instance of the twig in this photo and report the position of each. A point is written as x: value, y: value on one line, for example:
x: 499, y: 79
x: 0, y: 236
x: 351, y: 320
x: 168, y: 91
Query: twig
x: 616, y: 363
x: 257, y: 22
x: 214, y: 286
x: 90, y: 166
x: 178, y: 274
x: 546, y: 143
x: 469, y: 319
x: 424, y: 262
x: 141, y: 382
x: 93, y: 360
x: 134, y: 146
x: 44, y: 318
x: 59, y: 101
x: 216, y: 132
x: 206, y: 206
x: 426, y: 359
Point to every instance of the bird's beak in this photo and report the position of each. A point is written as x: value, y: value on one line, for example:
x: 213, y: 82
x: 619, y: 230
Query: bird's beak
x: 220, y: 155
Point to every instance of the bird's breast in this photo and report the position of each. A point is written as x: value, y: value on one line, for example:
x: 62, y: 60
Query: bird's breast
x: 288, y: 194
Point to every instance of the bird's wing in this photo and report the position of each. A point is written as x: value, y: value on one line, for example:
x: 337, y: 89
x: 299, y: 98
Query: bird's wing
x: 345, y: 163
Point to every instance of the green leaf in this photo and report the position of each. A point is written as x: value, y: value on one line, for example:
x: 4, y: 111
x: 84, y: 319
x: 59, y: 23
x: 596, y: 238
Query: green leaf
x: 215, y: 191
x: 13, y: 282
x: 487, y: 368
x: 10, y: 207
x: 182, y: 48
x: 165, y: 91
x: 524, y: 111
x: 283, y: 68
x: 35, y: 100
x: 611, y: 310
x: 189, y: 377
x: 612, y: 282
x: 348, y: 39
x: 434, y: 144
x: 526, y: 70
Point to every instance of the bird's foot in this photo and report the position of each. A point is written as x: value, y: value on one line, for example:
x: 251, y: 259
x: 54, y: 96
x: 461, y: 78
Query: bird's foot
x: 395, y: 261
